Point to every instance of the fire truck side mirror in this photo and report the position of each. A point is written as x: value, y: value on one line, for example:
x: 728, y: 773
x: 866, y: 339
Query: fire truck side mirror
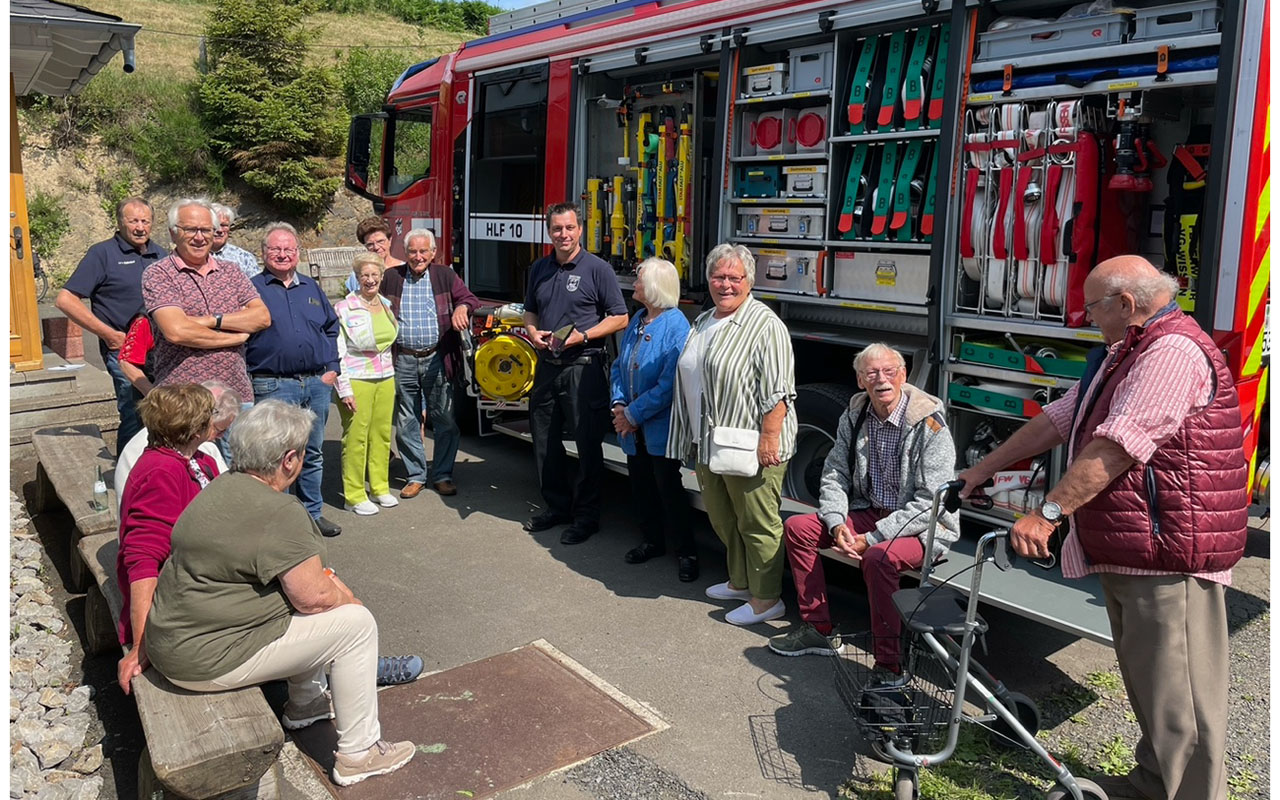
x: 360, y: 138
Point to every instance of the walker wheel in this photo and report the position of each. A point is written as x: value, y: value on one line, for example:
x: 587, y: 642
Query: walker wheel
x: 1027, y: 712
x: 906, y: 785
x: 1088, y: 790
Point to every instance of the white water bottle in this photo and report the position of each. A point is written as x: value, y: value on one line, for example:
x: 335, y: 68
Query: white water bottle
x: 99, y: 491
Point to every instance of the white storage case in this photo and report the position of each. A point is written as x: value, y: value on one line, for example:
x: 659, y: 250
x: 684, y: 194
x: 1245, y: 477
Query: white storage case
x: 887, y: 277
x: 808, y: 181
x: 810, y: 67
x: 793, y: 271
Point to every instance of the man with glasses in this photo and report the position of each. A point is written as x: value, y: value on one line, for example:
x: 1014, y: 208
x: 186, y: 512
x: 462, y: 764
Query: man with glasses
x: 570, y: 290
x: 110, y: 275
x: 296, y: 359
x: 892, y: 450
x: 225, y: 250
x: 202, y: 309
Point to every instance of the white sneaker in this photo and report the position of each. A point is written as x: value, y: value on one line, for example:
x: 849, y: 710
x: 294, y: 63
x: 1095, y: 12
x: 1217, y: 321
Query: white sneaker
x: 364, y: 508
x: 743, y: 615
x: 386, y: 500
x: 723, y: 591
x: 380, y: 759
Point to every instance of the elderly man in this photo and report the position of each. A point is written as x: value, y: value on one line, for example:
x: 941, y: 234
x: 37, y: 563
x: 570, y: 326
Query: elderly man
x: 892, y: 451
x: 431, y: 304
x: 1156, y: 491
x: 296, y: 359
x: 203, y: 309
x: 570, y: 287
x: 225, y: 250
x: 110, y: 275
x: 245, y: 598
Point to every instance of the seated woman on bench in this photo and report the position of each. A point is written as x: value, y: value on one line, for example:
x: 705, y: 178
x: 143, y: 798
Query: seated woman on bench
x: 177, y: 420
x: 245, y: 598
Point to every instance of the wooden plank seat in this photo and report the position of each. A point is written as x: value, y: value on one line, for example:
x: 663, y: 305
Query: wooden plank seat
x: 199, y: 744
x: 69, y: 458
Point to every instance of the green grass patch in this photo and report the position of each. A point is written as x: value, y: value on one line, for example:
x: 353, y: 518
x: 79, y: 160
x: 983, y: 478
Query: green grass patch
x: 1105, y: 681
x: 1116, y: 757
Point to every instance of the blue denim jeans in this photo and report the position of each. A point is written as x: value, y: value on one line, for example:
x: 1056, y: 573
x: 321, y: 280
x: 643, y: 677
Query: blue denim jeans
x: 127, y: 397
x: 308, y: 392
x: 421, y: 382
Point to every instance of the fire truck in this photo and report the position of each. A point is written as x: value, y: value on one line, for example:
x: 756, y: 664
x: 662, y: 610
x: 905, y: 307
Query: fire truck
x: 937, y: 175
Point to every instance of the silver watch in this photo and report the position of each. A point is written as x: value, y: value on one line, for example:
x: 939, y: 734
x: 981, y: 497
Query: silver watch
x: 1051, y: 511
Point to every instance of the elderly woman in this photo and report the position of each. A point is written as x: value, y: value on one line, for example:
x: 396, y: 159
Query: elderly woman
x: 245, y: 598
x: 375, y: 235
x: 735, y: 415
x: 642, y: 378
x: 178, y: 419
x: 366, y: 387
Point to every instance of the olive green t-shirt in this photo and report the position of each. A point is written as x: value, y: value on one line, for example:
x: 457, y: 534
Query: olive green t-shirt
x: 218, y: 599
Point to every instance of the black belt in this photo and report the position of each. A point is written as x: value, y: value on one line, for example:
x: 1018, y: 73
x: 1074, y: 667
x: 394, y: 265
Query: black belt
x: 419, y: 353
x: 295, y: 377
x: 586, y: 358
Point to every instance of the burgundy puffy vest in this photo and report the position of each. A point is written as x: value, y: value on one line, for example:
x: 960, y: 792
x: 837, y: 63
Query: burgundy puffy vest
x: 1186, y: 509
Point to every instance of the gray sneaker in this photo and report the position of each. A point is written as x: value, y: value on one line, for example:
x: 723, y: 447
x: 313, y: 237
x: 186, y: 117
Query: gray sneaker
x: 296, y: 717
x: 804, y: 640
x: 383, y: 757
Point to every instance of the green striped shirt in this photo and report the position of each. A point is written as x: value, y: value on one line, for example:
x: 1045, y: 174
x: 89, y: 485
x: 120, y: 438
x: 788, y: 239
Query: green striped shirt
x: 749, y: 368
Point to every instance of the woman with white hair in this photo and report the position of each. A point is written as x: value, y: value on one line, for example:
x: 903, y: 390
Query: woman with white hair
x: 245, y: 598
x: 642, y: 378
x: 735, y: 415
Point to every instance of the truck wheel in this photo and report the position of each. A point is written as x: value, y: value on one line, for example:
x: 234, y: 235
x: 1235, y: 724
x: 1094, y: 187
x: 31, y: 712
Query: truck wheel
x: 818, y: 408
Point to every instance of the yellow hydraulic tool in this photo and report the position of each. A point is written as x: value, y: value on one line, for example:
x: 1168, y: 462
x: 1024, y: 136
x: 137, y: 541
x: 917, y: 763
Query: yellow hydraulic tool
x: 684, y: 165
x: 646, y: 150
x: 595, y: 216
x: 617, y: 220
x: 661, y: 169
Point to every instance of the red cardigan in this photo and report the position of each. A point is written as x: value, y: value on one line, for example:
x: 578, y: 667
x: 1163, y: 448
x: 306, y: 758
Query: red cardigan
x: 155, y: 495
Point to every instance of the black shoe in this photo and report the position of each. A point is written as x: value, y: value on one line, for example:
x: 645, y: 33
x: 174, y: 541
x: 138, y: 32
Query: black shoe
x: 688, y: 571
x: 642, y: 553
x: 327, y: 528
x: 545, y: 521
x: 576, y: 534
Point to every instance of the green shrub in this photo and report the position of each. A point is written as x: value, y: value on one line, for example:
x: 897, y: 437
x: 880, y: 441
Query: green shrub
x: 113, y: 186
x: 465, y: 16
x: 47, y: 222
x: 367, y: 74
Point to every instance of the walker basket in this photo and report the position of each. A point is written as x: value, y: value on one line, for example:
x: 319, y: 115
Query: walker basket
x: 911, y: 710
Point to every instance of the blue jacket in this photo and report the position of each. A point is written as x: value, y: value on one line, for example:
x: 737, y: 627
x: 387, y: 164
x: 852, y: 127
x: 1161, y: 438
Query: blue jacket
x: 643, y: 374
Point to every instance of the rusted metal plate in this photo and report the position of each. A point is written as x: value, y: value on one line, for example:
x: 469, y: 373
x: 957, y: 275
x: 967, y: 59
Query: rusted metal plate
x: 485, y: 727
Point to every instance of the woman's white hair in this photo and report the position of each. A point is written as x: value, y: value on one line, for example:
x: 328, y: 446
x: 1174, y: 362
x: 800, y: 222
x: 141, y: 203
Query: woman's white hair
x: 191, y: 201
x: 417, y: 233
x: 262, y: 436
x: 226, y: 401
x: 732, y: 252
x: 661, y: 282
x: 877, y: 350
x: 221, y: 210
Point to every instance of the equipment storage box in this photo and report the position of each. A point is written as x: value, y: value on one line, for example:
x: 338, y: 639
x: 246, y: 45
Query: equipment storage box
x: 764, y: 80
x: 887, y: 277
x: 1053, y: 35
x: 788, y: 270
x: 768, y: 223
x: 808, y: 133
x: 772, y: 133
x: 1009, y: 399
x: 757, y: 180
x: 805, y: 181
x: 1176, y: 19
x: 810, y: 67
x: 1060, y: 360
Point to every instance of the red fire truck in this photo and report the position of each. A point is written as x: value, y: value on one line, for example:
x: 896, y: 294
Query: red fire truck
x: 937, y: 175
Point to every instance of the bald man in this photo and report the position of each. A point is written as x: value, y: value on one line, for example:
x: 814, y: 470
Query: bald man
x: 1156, y: 492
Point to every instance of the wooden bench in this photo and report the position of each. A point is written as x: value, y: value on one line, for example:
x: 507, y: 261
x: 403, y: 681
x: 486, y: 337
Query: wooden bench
x: 199, y: 744
x: 69, y: 458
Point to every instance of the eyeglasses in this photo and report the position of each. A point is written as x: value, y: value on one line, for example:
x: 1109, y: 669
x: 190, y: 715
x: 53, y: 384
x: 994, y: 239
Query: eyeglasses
x: 730, y: 279
x: 1089, y: 306
x: 374, y: 244
x: 888, y: 373
x: 284, y: 251
x: 196, y: 231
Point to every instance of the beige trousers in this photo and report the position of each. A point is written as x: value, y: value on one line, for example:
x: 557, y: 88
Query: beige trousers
x: 1170, y: 636
x: 344, y: 640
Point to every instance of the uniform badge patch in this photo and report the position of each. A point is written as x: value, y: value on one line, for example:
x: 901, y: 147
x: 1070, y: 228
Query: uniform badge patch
x: 572, y: 284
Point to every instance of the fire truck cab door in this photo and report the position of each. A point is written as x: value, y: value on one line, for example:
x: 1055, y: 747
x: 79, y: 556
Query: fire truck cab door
x: 505, y: 181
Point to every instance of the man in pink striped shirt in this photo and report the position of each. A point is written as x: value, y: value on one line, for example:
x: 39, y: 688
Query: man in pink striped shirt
x: 1156, y: 491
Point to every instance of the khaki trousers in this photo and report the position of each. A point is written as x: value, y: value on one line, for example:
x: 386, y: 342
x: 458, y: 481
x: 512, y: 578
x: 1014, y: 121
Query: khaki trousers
x: 347, y: 638
x: 1170, y: 637
x: 745, y: 513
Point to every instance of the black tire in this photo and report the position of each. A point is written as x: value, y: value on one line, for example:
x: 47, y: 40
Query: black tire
x: 906, y: 784
x: 1088, y: 789
x: 818, y: 409
x: 1027, y: 712
x: 42, y: 286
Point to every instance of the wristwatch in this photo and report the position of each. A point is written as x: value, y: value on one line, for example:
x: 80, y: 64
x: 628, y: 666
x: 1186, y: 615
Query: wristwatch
x: 217, y: 322
x: 1052, y: 512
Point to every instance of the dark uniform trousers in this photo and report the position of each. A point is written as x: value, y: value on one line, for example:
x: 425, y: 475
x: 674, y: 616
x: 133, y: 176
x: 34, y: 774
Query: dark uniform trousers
x: 574, y: 394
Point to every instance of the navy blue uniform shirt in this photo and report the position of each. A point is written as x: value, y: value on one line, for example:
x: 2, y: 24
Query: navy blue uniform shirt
x: 583, y: 291
x: 110, y: 275
x: 303, y: 336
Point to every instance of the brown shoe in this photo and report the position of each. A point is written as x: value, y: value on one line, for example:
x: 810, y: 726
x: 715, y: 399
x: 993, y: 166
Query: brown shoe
x: 1119, y: 788
x: 411, y: 490
x: 380, y: 759
x: 446, y: 487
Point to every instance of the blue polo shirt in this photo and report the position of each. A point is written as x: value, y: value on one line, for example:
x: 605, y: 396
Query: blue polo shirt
x: 303, y: 336
x: 110, y: 275
x: 583, y: 291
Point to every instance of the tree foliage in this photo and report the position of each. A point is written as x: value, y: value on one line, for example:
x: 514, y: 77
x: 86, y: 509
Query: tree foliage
x: 280, y: 121
x: 366, y: 75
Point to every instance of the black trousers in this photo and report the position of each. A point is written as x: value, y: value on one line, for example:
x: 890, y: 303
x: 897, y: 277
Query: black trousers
x: 575, y: 396
x: 661, y: 503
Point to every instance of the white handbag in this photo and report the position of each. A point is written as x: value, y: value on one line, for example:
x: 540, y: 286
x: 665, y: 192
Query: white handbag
x: 733, y: 452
